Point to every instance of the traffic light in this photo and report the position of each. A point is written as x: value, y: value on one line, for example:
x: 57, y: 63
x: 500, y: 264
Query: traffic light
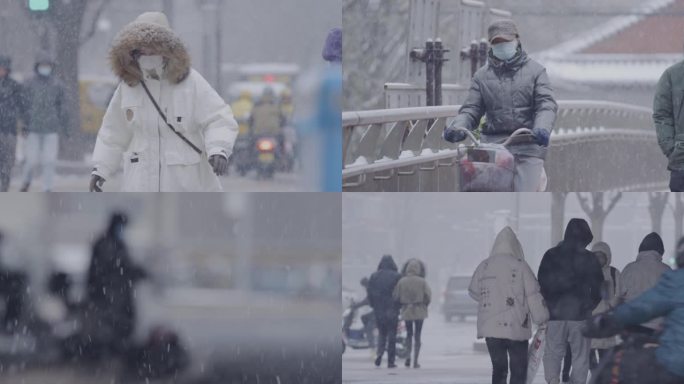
x: 39, y: 5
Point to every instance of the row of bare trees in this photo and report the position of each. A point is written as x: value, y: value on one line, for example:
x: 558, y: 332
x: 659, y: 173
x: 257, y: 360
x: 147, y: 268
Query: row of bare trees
x: 72, y: 22
x: 598, y: 205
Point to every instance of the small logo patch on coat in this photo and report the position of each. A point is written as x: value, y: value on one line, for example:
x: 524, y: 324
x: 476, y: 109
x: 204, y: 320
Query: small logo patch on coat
x: 510, y: 301
x: 130, y: 115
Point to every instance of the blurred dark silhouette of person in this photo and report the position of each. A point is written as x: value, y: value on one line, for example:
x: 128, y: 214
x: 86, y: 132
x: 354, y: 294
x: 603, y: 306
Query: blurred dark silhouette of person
x: 380, y: 288
x: 12, y: 108
x: 13, y: 284
x: 367, y: 319
x: 112, y: 278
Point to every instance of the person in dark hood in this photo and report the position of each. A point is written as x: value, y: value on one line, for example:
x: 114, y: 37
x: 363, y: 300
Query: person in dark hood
x: 380, y: 288
x: 111, y: 286
x: 570, y: 278
x: 512, y: 91
x: 46, y: 120
x: 11, y: 110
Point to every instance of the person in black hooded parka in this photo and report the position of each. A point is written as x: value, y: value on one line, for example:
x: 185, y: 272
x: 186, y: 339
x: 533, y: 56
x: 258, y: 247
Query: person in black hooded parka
x: 386, y: 309
x: 570, y: 278
x: 110, y: 288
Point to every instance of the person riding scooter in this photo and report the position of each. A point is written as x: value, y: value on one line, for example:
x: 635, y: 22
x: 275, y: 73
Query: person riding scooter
x: 664, y: 364
x: 368, y: 319
x: 267, y: 120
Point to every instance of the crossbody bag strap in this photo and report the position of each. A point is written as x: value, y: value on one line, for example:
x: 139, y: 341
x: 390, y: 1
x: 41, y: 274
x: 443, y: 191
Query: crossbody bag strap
x: 163, y: 116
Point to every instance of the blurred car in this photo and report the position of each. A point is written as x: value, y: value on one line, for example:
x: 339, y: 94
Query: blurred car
x: 457, y: 301
x: 95, y: 94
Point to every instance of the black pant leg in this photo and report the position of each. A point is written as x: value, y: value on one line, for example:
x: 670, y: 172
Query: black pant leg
x: 419, y: 331
x: 498, y: 353
x: 518, y: 356
x: 409, y: 338
x: 382, y: 337
x: 677, y: 181
x: 392, y: 340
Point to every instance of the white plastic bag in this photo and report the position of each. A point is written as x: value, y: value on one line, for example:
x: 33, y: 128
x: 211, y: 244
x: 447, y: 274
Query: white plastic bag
x: 536, y: 353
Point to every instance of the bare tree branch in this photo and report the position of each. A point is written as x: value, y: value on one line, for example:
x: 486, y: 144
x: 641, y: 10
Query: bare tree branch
x: 584, y: 204
x: 613, y: 202
x: 93, y: 23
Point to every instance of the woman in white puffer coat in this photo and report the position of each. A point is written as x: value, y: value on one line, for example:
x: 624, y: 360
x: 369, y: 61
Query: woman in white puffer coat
x: 509, y: 302
x: 155, y: 158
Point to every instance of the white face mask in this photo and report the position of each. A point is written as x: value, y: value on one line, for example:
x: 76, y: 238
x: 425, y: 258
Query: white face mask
x: 149, y: 63
x: 45, y: 70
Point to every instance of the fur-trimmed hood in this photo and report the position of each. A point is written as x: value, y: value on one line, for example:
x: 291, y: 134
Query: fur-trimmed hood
x: 152, y: 32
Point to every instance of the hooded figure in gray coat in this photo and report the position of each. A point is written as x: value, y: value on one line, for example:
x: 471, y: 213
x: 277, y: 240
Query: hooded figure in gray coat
x: 512, y: 91
x: 641, y: 275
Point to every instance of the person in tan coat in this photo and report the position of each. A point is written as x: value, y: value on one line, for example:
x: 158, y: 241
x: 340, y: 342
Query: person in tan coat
x: 414, y: 295
x: 510, y: 301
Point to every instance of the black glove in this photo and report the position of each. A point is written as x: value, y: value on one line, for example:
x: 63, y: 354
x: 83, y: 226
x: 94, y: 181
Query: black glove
x: 220, y: 164
x: 96, y: 183
x: 454, y: 136
x: 602, y: 326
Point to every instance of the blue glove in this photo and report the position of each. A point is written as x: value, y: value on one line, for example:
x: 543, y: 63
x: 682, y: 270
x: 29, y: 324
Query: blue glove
x: 453, y: 136
x: 542, y: 136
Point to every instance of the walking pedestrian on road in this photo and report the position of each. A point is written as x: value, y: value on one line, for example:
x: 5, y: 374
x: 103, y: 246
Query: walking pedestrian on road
x: 170, y: 128
x: 46, y: 119
x: 509, y: 302
x: 610, y: 299
x: 513, y: 92
x: 414, y: 295
x: 11, y: 110
x: 570, y: 278
x: 643, y: 274
x: 380, y: 289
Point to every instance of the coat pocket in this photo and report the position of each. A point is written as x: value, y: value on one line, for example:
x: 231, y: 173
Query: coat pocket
x: 135, y: 178
x: 181, y: 116
x: 676, y: 159
x: 131, y: 107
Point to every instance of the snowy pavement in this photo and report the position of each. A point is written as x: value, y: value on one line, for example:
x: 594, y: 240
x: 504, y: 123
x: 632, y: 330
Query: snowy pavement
x: 282, y: 182
x: 448, y: 356
x: 243, y: 335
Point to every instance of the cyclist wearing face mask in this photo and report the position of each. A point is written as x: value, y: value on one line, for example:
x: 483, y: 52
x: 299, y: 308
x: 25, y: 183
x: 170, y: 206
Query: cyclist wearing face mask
x: 512, y: 91
x: 170, y: 128
x: 46, y: 119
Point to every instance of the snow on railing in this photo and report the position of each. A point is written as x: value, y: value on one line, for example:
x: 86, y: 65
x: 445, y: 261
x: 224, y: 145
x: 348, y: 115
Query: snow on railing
x: 393, y: 144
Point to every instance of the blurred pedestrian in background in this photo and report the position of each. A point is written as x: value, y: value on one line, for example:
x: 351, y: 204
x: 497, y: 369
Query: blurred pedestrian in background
x: 414, y: 295
x: 110, y: 288
x: 46, y: 120
x: 380, y: 289
x: 11, y: 110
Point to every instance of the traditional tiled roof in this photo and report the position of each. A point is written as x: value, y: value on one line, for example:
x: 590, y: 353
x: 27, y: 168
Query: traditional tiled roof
x: 629, y: 49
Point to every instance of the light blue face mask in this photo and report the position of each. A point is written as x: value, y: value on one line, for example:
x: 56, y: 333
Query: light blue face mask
x: 505, y: 51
